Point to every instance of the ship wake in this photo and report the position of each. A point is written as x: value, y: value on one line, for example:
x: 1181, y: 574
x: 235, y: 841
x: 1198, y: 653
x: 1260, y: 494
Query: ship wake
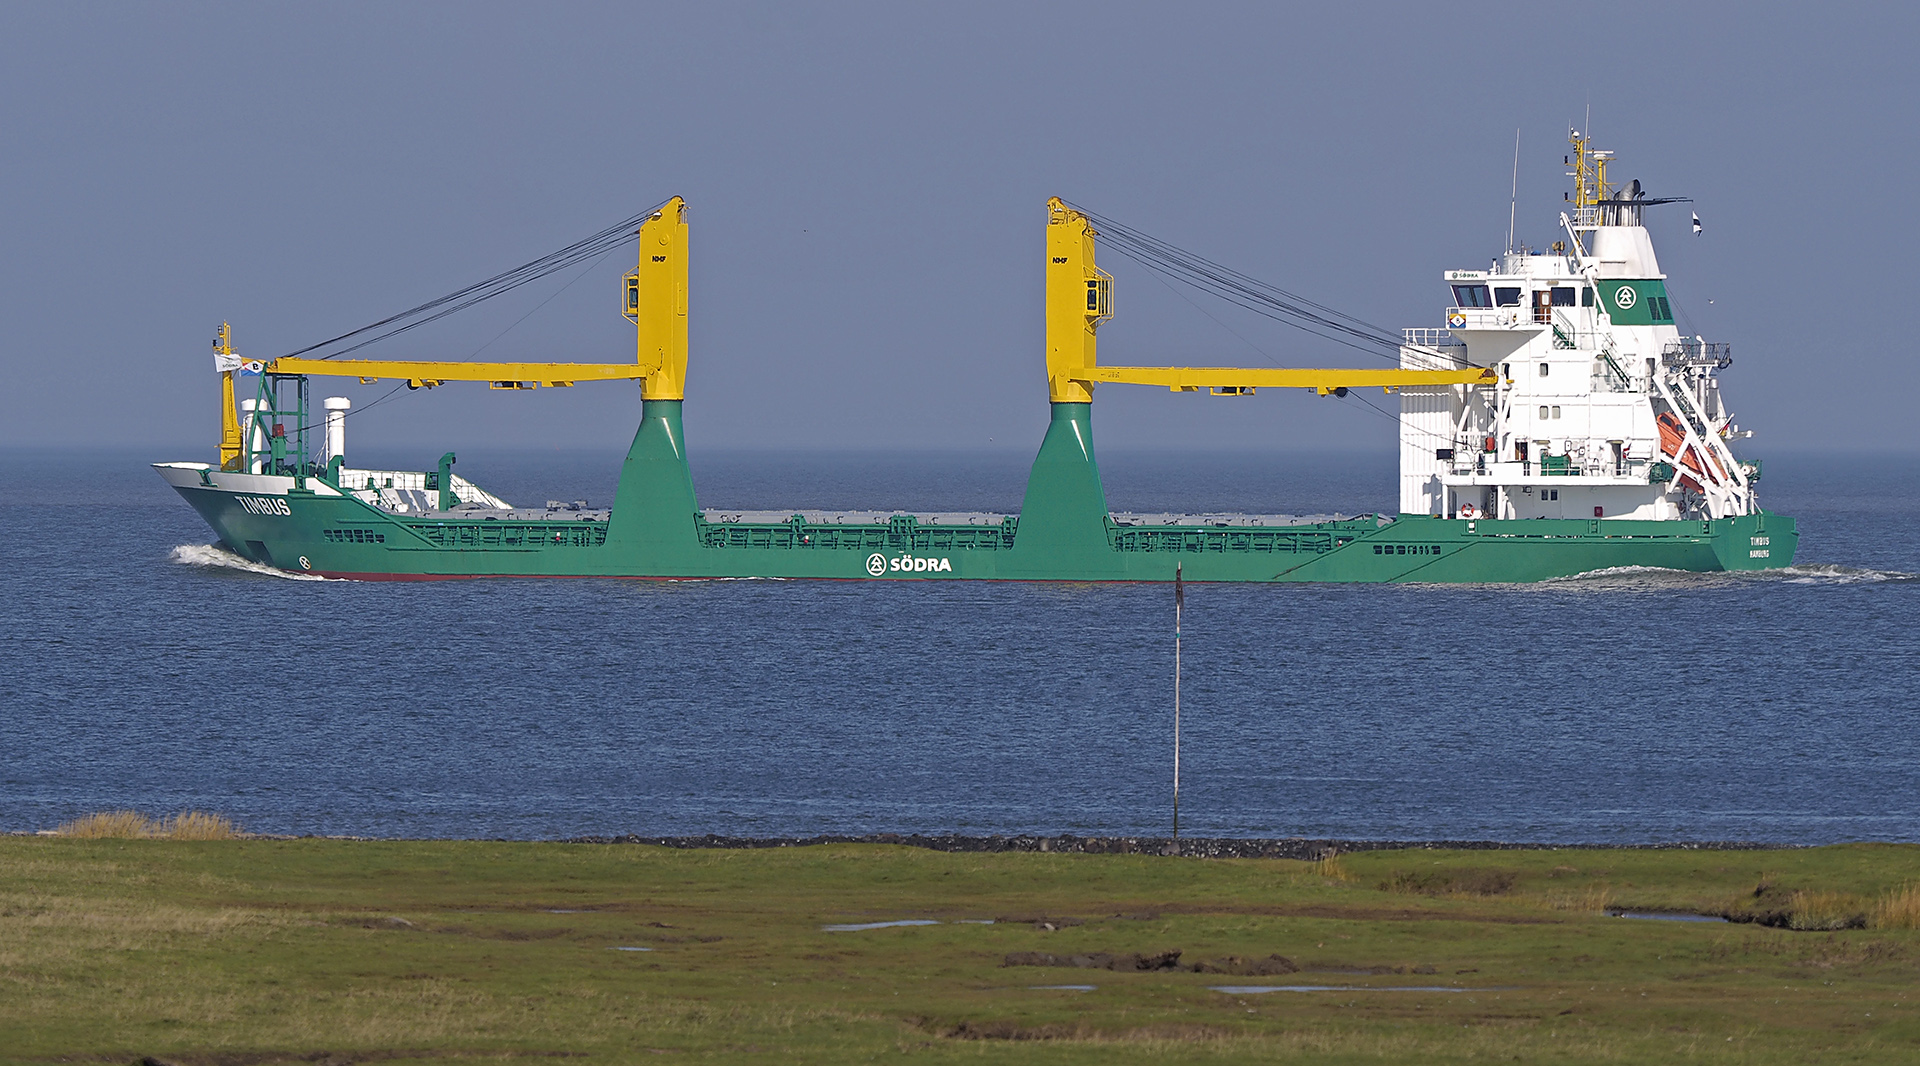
x: 1835, y: 574
x: 214, y: 557
x: 1654, y: 577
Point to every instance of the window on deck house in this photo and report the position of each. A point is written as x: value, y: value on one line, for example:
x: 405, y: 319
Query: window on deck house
x: 1471, y: 296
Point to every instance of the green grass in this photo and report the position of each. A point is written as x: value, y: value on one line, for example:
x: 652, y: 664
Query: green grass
x: 230, y: 953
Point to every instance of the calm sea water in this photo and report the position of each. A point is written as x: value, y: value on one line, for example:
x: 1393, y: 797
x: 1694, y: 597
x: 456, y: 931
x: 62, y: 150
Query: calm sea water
x: 1625, y: 707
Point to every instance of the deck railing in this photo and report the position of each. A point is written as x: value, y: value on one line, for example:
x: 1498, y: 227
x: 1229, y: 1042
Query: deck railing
x: 1432, y: 338
x: 1692, y: 351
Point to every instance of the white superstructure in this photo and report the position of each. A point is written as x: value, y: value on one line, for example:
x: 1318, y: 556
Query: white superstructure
x: 1603, y: 410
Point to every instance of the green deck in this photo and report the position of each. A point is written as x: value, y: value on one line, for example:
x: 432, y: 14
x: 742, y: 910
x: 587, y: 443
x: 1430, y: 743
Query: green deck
x: 1064, y: 532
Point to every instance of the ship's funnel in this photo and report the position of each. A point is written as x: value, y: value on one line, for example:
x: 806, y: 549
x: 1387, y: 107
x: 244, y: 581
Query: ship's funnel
x: 256, y: 436
x: 337, y: 407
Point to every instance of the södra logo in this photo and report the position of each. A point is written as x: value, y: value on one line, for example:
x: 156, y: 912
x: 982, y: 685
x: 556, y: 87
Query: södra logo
x: 878, y: 564
x: 263, y: 505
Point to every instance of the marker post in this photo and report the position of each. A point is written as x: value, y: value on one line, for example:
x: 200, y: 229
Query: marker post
x: 1179, y: 601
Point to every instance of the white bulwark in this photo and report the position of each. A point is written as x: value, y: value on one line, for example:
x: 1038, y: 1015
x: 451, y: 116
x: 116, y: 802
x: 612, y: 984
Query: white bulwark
x: 1603, y: 409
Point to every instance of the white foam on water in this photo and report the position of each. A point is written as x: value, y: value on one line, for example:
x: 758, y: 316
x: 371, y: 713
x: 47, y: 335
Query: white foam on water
x: 1834, y: 574
x: 1619, y: 571
x: 1647, y: 578
x: 214, y: 557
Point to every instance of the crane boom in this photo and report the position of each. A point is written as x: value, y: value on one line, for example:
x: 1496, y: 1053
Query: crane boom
x: 1080, y: 298
x: 1238, y: 381
x: 432, y: 372
x: 656, y: 302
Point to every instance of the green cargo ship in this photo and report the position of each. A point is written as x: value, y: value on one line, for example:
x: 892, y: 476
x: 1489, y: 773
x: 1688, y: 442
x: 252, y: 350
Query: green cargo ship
x: 1558, y: 425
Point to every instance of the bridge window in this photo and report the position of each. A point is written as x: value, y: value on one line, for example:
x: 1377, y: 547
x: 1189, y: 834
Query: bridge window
x: 1586, y: 297
x: 1563, y: 297
x: 1472, y: 296
x: 1507, y: 297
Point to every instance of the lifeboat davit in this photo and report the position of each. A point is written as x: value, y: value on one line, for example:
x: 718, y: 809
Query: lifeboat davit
x: 1673, y: 442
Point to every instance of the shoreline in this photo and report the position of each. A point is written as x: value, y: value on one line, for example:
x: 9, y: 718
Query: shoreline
x: 1311, y: 849
x: 1304, y: 848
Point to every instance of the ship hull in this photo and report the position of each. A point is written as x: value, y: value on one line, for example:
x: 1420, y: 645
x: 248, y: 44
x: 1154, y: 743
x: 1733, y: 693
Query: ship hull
x: 1411, y: 549
x: 1063, y: 533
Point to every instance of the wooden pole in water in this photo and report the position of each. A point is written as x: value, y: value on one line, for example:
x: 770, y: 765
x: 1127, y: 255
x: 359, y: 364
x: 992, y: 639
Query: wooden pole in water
x: 1179, y: 601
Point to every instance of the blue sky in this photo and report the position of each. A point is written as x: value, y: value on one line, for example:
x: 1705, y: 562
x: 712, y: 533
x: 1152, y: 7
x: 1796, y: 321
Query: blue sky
x: 867, y: 185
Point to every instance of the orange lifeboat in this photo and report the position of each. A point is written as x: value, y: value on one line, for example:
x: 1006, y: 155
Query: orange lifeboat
x: 1672, y: 441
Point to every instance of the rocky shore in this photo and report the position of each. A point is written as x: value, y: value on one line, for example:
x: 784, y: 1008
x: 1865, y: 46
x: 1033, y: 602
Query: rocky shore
x: 1191, y: 847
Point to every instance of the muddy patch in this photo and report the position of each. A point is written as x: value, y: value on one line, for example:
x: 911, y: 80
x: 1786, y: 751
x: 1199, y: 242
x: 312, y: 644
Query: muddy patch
x: 326, y: 1058
x: 1234, y: 965
x: 1358, y: 913
x: 503, y: 934
x: 1781, y: 907
x: 1369, y: 971
x: 990, y: 1029
x: 1165, y: 961
x: 1043, y: 923
x: 1098, y: 960
x: 1469, y: 881
x: 1259, y: 990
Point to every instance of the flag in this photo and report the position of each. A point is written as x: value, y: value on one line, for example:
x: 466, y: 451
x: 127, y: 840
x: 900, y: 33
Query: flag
x: 1696, y: 225
x: 1179, y: 591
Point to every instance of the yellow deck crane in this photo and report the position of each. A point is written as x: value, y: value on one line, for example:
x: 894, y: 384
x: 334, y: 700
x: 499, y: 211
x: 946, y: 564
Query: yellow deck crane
x: 656, y: 302
x: 1080, y: 298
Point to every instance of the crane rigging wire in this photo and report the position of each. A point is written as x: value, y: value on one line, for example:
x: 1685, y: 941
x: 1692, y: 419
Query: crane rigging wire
x: 586, y: 249
x: 1244, y: 290
x: 409, y: 386
x: 1271, y: 301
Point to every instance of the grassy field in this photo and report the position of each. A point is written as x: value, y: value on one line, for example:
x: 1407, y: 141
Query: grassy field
x: 236, y: 952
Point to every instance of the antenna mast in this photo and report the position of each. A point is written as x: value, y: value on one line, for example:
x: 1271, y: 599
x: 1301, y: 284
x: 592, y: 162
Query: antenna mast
x: 1513, y: 197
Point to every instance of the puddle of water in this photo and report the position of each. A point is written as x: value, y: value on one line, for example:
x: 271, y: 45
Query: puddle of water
x: 1255, y: 990
x: 1063, y: 988
x: 1656, y: 916
x: 861, y: 926
x: 629, y: 949
x: 555, y: 910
